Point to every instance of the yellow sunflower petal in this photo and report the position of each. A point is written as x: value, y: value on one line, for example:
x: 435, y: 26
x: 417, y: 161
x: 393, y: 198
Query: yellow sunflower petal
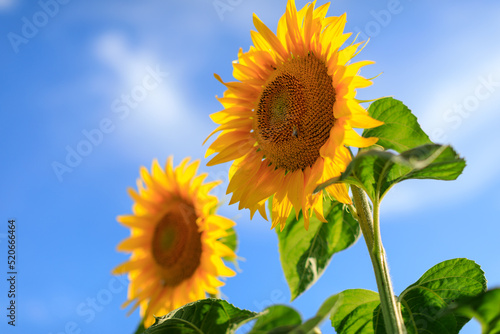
x: 318, y: 208
x: 339, y: 191
x: 131, y: 243
x: 296, y: 191
x: 220, y: 222
x: 230, y: 114
x: 242, y: 171
x: 352, y: 138
x: 280, y: 212
x: 231, y: 152
x: 221, y: 142
x: 261, y: 207
x: 271, y: 39
x: 131, y: 265
x: 222, y: 250
x: 134, y: 221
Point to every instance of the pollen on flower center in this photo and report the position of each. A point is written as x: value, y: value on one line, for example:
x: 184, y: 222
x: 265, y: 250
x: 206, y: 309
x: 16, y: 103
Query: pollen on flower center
x: 295, y: 113
x: 176, y: 245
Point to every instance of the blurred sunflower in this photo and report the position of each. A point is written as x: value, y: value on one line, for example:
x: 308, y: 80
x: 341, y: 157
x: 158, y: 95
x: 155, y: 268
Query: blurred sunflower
x: 290, y: 115
x: 175, y: 240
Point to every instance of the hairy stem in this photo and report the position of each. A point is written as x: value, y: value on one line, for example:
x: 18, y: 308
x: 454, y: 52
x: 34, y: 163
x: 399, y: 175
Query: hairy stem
x: 370, y: 226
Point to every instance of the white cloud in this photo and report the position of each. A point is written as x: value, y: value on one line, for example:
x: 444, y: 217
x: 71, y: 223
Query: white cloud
x: 459, y: 106
x: 164, y: 120
x: 7, y: 4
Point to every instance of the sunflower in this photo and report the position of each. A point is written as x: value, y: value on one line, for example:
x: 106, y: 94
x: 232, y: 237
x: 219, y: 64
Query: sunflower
x: 288, y: 119
x: 175, y: 240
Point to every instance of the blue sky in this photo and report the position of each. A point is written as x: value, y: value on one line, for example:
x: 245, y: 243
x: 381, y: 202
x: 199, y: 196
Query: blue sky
x: 71, y: 73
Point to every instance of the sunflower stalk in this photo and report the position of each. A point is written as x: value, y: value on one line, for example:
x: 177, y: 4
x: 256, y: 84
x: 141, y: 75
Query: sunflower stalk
x: 370, y: 226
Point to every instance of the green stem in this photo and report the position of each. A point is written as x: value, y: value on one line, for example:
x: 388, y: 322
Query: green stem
x: 370, y: 226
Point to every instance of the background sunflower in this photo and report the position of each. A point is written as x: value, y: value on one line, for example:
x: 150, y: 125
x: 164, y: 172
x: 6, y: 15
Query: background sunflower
x: 175, y: 240
x: 64, y: 80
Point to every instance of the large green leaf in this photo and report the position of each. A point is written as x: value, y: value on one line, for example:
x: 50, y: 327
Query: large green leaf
x: 377, y: 171
x: 400, y: 131
x: 428, y: 298
x: 213, y: 316
x: 485, y: 308
x: 305, y: 254
x: 424, y: 304
x: 355, y: 312
x: 276, y: 319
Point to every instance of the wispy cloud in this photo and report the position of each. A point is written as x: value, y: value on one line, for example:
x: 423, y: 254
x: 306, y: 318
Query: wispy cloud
x: 7, y: 4
x: 164, y: 119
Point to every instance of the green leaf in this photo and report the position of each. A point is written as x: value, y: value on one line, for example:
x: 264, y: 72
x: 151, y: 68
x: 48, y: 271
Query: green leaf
x: 175, y: 326
x: 485, y: 308
x: 423, y: 312
x: 305, y: 254
x: 276, y: 319
x: 426, y: 301
x: 377, y: 171
x: 231, y: 241
x: 355, y: 312
x: 424, y: 304
x: 310, y: 325
x: 400, y: 131
x: 204, y: 316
